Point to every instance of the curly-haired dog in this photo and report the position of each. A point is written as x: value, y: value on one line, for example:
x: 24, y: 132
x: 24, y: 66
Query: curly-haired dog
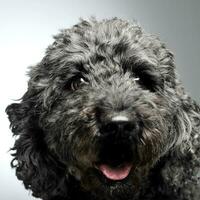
x: 105, y: 117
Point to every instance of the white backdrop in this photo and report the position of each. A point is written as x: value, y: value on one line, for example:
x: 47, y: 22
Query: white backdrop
x: 27, y: 26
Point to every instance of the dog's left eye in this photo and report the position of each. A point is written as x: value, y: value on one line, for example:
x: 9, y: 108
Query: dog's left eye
x: 77, y: 83
x: 148, y: 78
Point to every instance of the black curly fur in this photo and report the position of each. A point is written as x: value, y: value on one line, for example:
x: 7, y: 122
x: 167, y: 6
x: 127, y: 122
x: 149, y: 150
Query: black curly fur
x: 57, y: 124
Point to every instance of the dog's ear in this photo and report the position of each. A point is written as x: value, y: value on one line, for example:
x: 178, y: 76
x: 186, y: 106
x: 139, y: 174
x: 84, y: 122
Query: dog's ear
x: 34, y: 164
x: 187, y: 119
x: 192, y: 109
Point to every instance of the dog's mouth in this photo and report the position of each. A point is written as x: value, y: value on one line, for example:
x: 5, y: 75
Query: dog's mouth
x: 117, y: 173
x: 116, y: 160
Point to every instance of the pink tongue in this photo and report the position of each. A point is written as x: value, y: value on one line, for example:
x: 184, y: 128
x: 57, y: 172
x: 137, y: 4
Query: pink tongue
x: 117, y: 173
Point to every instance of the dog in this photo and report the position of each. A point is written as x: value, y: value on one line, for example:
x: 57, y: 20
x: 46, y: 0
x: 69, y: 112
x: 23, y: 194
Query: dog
x: 105, y: 116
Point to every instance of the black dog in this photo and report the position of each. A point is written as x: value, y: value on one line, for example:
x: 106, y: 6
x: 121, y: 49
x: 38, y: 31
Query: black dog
x: 105, y: 117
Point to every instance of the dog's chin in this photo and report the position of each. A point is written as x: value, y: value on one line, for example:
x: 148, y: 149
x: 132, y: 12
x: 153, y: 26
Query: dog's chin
x: 115, y: 178
x: 115, y: 181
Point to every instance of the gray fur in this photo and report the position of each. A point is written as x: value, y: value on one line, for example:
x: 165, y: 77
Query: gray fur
x: 92, y: 73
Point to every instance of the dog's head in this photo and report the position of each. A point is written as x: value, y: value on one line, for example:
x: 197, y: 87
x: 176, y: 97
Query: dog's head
x: 102, y: 107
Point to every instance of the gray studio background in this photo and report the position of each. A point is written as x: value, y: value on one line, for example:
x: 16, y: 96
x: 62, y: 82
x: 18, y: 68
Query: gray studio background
x: 27, y: 26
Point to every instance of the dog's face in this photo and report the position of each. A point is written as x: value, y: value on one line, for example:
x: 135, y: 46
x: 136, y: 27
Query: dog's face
x: 105, y: 98
x: 109, y: 116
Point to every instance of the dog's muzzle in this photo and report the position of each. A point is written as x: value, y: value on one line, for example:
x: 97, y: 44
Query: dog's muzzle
x: 118, y: 147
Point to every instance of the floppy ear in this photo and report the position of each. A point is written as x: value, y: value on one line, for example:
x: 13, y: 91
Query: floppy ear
x: 192, y: 109
x: 34, y: 164
x: 188, y: 122
x: 186, y: 163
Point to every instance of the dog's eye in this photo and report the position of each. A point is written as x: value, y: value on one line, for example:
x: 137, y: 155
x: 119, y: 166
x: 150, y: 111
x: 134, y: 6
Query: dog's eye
x: 76, y: 83
x: 149, y: 80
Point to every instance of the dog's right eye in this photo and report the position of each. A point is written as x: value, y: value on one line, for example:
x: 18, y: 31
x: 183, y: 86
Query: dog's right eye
x: 76, y: 83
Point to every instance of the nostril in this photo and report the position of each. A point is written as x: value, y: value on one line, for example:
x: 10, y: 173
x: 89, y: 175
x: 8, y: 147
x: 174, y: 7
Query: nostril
x: 109, y: 128
x: 115, y: 127
x: 129, y: 127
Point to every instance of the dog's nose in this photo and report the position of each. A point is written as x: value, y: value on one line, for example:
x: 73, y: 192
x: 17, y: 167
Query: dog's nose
x: 118, y: 125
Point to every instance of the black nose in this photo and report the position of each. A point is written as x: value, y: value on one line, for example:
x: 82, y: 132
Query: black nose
x: 118, y: 126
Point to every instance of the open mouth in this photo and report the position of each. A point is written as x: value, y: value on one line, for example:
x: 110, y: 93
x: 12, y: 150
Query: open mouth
x: 117, y: 173
x: 116, y: 159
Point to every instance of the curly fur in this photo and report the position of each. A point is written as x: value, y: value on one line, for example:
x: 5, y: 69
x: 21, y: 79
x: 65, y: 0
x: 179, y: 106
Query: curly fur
x: 58, y: 121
